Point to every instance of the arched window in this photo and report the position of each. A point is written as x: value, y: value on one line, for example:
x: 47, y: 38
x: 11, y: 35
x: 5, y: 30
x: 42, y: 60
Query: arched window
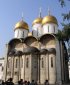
x: 48, y: 28
x: 32, y: 32
x: 42, y: 63
x: 2, y: 68
x: 21, y: 62
x: 23, y: 33
x: 54, y: 28
x: 51, y: 61
x: 37, y: 31
x: 16, y: 63
x: 27, y: 62
x: 18, y: 33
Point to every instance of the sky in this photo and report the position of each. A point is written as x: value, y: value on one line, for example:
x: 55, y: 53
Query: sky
x: 11, y: 12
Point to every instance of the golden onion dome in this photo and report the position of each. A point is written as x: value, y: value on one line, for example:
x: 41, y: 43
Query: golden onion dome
x: 37, y: 20
x: 49, y: 19
x: 21, y: 24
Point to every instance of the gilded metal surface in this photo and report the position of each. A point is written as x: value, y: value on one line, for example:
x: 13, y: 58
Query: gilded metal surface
x: 49, y: 19
x: 38, y: 20
x: 21, y: 24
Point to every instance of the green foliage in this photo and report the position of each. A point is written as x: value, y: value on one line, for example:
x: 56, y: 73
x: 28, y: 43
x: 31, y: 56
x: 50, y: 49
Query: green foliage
x: 59, y: 35
x: 66, y: 30
x: 65, y: 33
x: 62, y: 2
x: 66, y: 16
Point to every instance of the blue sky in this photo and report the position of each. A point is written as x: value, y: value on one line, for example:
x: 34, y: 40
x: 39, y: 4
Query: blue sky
x: 11, y: 13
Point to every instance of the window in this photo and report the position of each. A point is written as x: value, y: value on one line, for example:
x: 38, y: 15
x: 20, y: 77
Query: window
x: 18, y: 33
x: 27, y: 62
x: 16, y: 73
x: 51, y: 61
x: 9, y: 73
x: 54, y: 28
x: 32, y: 32
x: 42, y: 63
x: 2, y: 68
x: 16, y: 63
x: 48, y: 28
x: 37, y: 31
x: 0, y: 64
x: 21, y: 62
x: 23, y: 33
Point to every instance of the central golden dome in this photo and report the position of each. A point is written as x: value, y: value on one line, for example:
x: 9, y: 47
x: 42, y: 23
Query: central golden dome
x: 37, y: 20
x: 49, y: 19
x: 21, y: 24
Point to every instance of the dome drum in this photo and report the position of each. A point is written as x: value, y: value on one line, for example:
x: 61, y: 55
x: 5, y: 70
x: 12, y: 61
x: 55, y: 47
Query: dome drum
x: 37, y: 27
x: 21, y: 29
x: 21, y: 33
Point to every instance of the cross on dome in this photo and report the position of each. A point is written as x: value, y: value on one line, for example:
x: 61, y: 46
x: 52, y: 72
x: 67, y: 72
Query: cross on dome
x: 40, y: 12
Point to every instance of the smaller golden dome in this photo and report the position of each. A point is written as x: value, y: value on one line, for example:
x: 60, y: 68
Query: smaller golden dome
x: 37, y: 20
x: 21, y: 24
x: 49, y: 19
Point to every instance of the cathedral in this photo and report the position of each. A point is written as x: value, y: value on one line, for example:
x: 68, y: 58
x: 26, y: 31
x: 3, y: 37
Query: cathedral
x: 37, y: 55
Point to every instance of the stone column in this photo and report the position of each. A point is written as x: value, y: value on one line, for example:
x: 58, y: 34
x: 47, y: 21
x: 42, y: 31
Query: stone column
x: 46, y: 55
x: 58, y: 63
x: 13, y: 68
x: 38, y: 68
x: 48, y: 67
x: 62, y: 61
x: 24, y: 66
x: 19, y: 67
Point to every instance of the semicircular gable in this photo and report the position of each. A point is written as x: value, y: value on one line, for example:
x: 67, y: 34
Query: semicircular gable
x: 14, y: 42
x: 48, y: 39
x: 30, y: 41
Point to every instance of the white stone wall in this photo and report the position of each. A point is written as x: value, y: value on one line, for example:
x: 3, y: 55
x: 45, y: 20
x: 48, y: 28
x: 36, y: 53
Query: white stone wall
x: 34, y: 67
x: 44, y: 68
x: 58, y: 63
x: 16, y: 69
x: 23, y: 67
x: 50, y: 28
x: 1, y: 68
x: 27, y: 70
x: 37, y: 30
x: 52, y: 69
x: 21, y: 33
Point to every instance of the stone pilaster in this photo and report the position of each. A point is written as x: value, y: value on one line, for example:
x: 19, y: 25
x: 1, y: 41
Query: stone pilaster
x: 58, y: 63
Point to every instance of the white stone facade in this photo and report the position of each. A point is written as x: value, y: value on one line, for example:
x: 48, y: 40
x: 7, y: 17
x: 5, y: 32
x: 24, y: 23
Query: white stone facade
x: 39, y: 57
x: 1, y: 68
x: 20, y: 33
x: 50, y: 28
x: 37, y: 30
